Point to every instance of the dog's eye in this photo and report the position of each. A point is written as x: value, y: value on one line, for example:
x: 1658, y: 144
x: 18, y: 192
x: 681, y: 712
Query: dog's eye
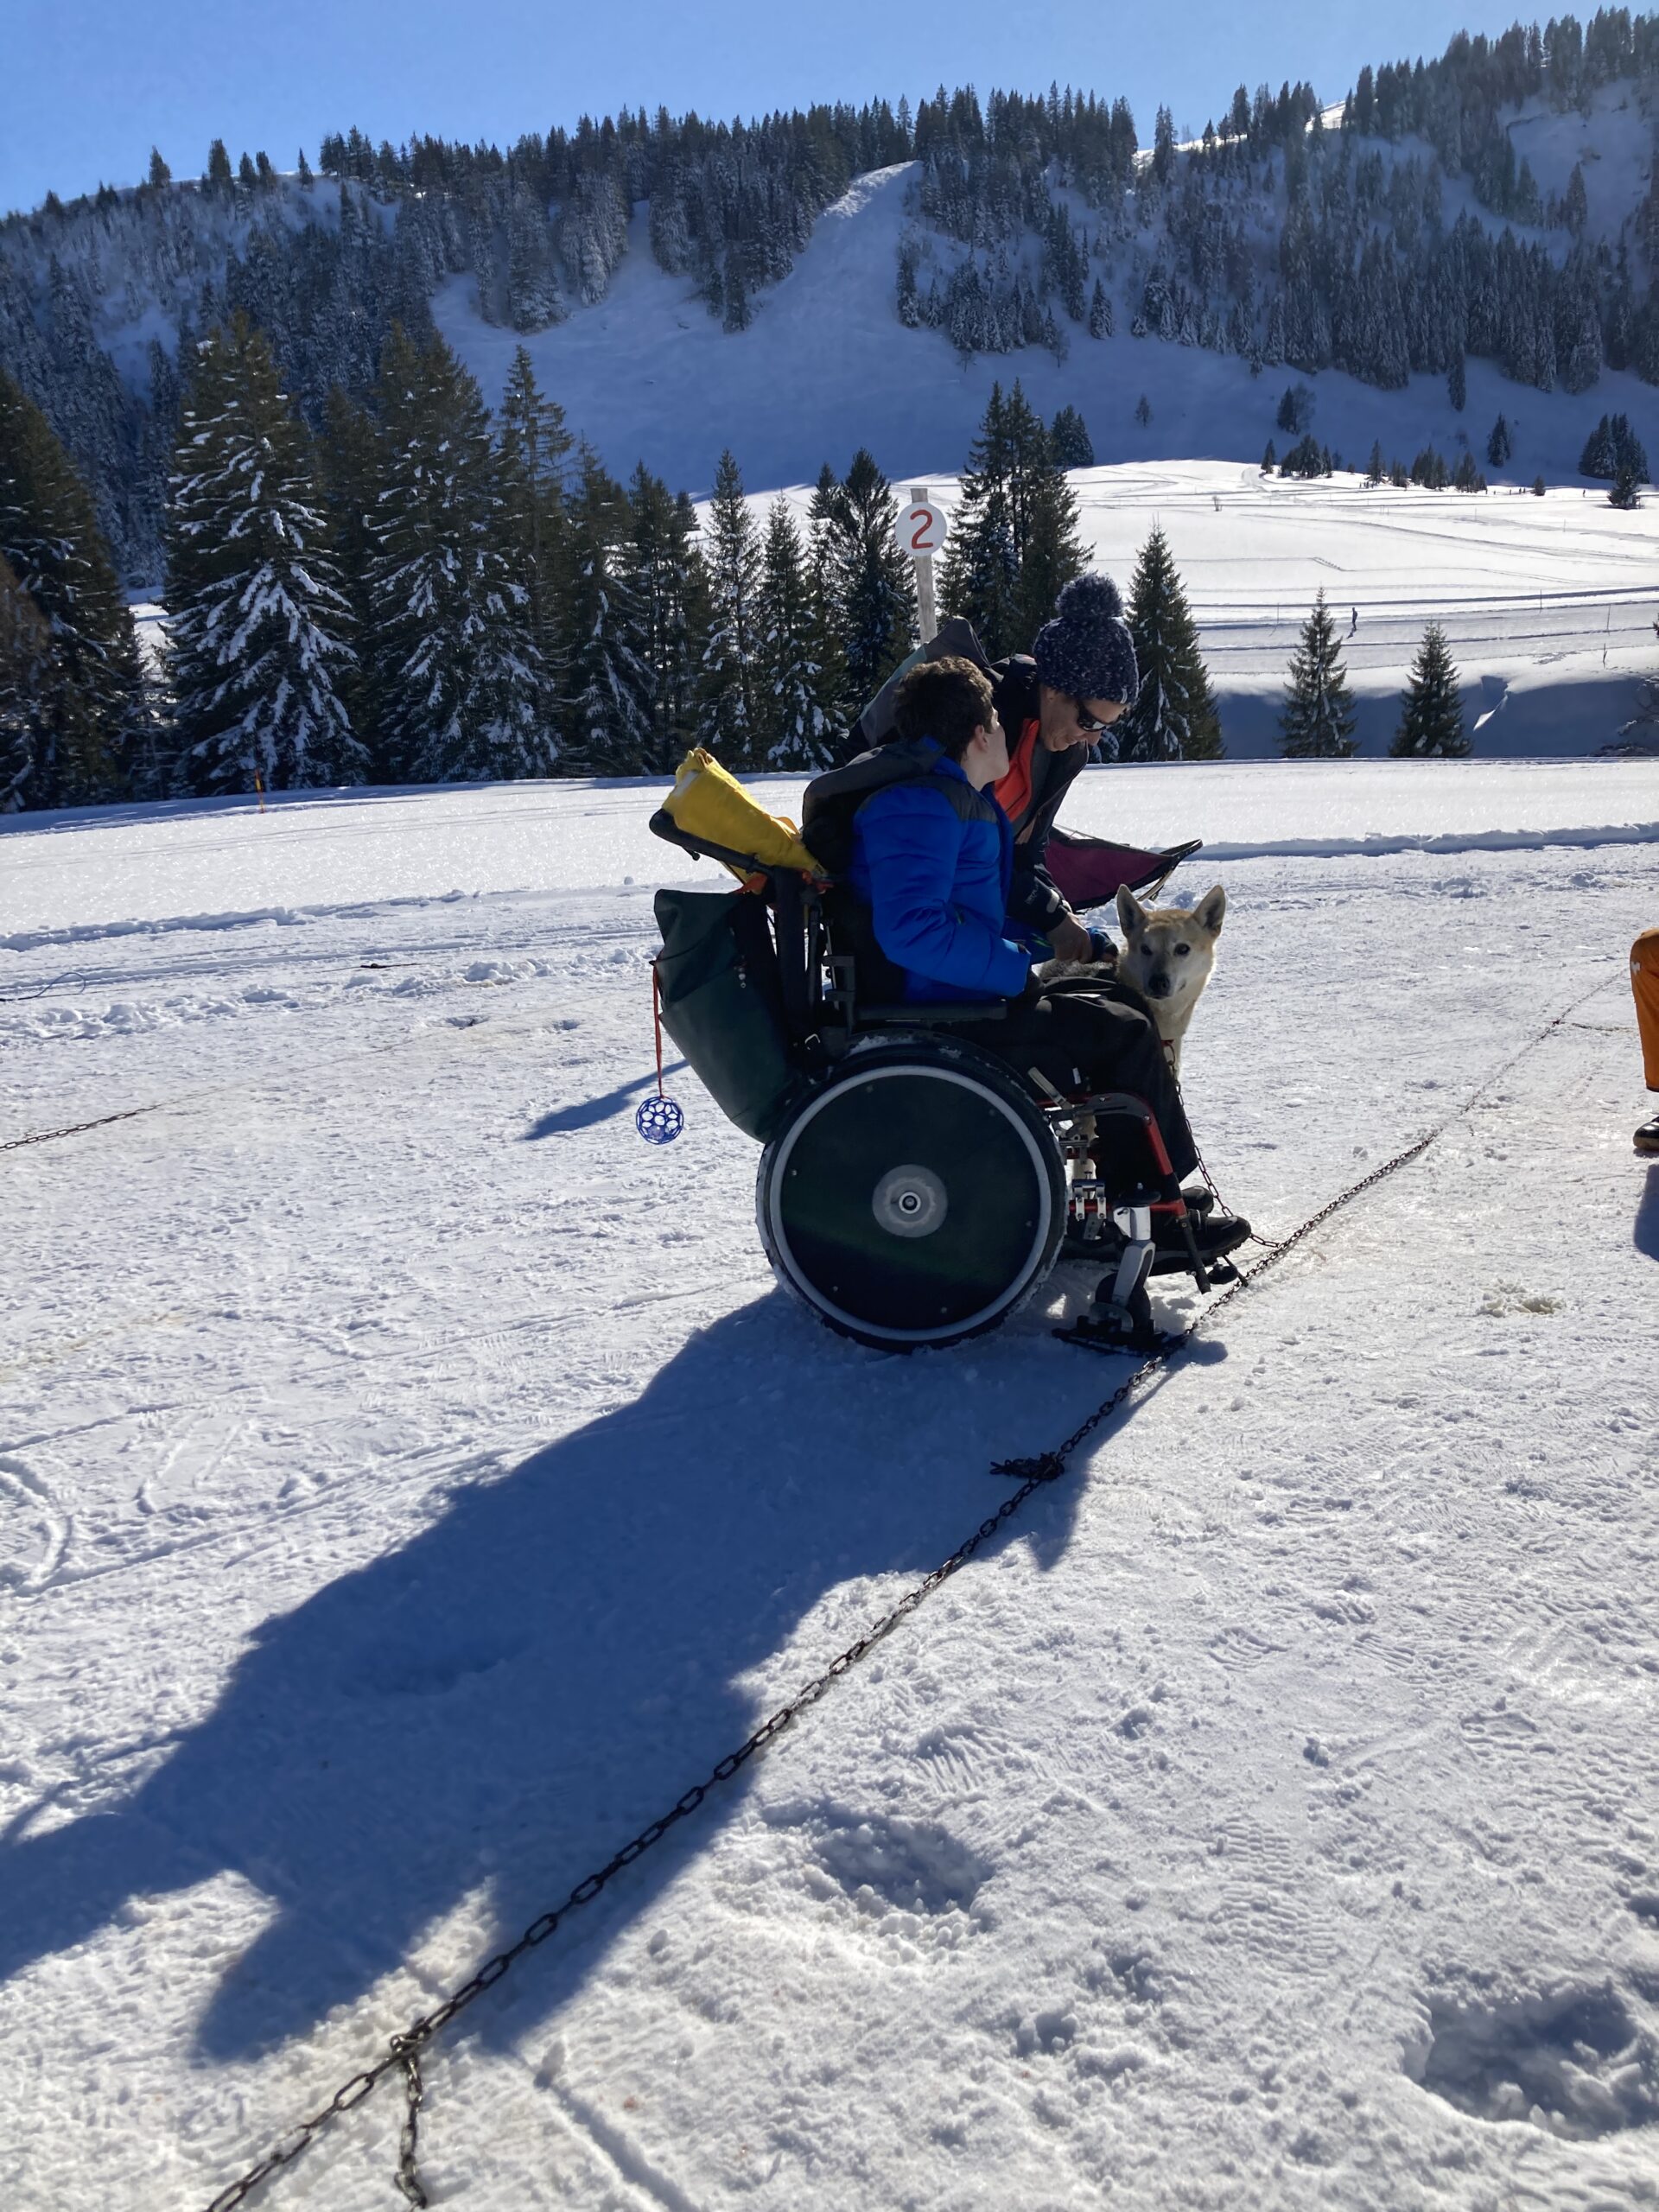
x: 1181, y: 951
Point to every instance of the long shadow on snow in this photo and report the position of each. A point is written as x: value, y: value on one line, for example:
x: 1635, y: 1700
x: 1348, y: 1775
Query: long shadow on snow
x: 496, y: 1705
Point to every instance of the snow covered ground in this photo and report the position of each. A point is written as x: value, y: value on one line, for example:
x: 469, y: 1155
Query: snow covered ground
x: 410, y: 1483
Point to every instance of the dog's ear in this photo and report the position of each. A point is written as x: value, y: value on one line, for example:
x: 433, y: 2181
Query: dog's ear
x: 1210, y: 911
x: 1131, y: 914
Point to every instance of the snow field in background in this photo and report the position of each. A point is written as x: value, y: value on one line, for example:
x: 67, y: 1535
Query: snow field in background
x: 409, y: 1482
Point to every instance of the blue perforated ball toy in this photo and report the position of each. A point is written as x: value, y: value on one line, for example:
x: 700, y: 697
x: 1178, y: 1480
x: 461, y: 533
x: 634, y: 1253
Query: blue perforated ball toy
x: 659, y: 1121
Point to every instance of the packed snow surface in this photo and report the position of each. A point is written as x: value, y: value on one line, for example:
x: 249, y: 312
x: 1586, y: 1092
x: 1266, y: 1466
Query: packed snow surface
x: 410, y: 1483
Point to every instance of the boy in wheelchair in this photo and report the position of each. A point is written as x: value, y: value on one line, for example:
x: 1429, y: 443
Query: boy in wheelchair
x: 932, y: 859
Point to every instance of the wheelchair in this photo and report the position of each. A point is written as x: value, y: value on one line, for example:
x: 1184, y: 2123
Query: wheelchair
x: 915, y: 1189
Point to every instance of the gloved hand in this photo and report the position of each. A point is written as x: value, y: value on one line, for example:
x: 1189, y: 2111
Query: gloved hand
x: 1101, y: 948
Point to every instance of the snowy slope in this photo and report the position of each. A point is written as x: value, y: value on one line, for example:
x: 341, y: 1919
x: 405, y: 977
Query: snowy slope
x: 826, y: 366
x: 409, y: 1483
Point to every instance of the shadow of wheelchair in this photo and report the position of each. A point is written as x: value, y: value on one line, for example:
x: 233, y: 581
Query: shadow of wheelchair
x: 491, y: 1709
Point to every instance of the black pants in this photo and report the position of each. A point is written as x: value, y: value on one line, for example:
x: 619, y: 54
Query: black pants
x: 1099, y: 1041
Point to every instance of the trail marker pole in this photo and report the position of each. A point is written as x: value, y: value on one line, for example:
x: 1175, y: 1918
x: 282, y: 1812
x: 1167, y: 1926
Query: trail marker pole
x: 921, y: 534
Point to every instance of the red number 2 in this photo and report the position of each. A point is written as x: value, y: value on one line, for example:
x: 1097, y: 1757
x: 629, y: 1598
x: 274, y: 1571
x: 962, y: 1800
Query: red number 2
x: 924, y: 523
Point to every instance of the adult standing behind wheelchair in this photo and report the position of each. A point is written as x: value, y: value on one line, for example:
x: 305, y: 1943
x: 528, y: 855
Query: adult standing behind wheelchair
x: 934, y: 865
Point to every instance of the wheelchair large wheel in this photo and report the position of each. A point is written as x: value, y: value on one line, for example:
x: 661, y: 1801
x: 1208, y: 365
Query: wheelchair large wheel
x: 915, y: 1197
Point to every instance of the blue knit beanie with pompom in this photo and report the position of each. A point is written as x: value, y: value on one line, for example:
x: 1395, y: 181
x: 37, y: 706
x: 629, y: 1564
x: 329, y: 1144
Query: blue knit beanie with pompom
x: 1086, y: 650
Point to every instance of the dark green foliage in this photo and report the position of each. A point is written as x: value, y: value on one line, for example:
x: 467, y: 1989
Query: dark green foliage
x: 532, y: 464
x: 874, y: 585
x: 1306, y: 458
x: 1270, y: 460
x: 1174, y: 717
x: 258, y: 646
x: 1317, y: 719
x: 609, y: 726
x: 26, y: 688
x: 219, y: 166
x: 458, y: 682
x: 159, y: 172
x: 668, y: 594
x: 1501, y: 444
x: 1627, y: 486
x: 1376, y: 468
x: 1430, y: 471
x: 1015, y: 542
x: 730, y: 723
x: 1466, y: 477
x: 1100, y: 324
x: 796, y: 701
x: 1612, y: 445
x: 1538, y: 487
x: 85, y: 708
x: 1069, y: 442
x: 1143, y: 411
x: 1431, y: 717
x: 1457, y: 383
x: 1295, y: 409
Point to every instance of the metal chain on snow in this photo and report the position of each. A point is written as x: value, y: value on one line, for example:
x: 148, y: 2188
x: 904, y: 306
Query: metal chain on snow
x: 76, y: 1128
x: 403, y: 2053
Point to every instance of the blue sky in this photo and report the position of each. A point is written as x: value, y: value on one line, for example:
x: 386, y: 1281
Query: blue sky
x: 86, y: 87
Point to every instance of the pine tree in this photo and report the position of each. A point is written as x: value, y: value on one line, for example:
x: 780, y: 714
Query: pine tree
x: 1046, y: 524
x: 730, y: 723
x: 1499, y: 446
x: 50, y: 539
x: 1466, y: 476
x: 257, y: 645
x: 1269, y: 459
x: 1070, y: 440
x: 1375, y: 470
x: 1100, y: 312
x: 1457, y: 383
x: 1318, y: 721
x: 981, y: 559
x: 219, y: 166
x: 25, y: 688
x: 531, y: 466
x: 1174, y: 717
x: 1626, y: 491
x: 668, y: 590
x: 1143, y: 411
x: 796, y: 724
x: 462, y: 690
x: 348, y: 470
x: 1431, y: 719
x: 823, y: 576
x: 610, y: 721
x: 875, y: 588
x: 159, y: 172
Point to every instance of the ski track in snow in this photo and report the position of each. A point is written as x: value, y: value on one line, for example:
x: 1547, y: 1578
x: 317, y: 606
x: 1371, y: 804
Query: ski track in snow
x: 409, y: 1482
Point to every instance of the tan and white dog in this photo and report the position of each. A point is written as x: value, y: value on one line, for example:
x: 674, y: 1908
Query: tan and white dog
x: 1168, y: 956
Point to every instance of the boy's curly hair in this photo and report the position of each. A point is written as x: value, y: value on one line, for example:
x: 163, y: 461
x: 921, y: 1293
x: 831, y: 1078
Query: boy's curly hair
x: 947, y: 699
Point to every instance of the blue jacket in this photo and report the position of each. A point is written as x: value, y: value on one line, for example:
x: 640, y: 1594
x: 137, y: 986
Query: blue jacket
x: 932, y: 861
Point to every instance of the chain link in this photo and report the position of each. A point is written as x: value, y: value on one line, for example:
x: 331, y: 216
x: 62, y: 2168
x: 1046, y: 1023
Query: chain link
x: 404, y: 2051
x: 76, y: 1128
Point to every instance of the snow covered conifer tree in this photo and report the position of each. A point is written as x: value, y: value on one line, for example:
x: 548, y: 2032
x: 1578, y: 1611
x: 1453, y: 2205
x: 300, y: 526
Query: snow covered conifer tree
x: 348, y: 466
x: 25, y: 688
x: 1100, y: 312
x: 460, y: 685
x: 1499, y: 445
x: 982, y: 561
x: 531, y: 466
x: 1318, y: 721
x: 257, y: 645
x: 1068, y: 437
x: 878, y: 590
x: 729, y: 723
x: 1174, y: 716
x: 610, y: 715
x: 49, y: 536
x: 824, y: 578
x: 1045, y: 511
x: 792, y: 702
x: 1431, y: 719
x: 669, y: 592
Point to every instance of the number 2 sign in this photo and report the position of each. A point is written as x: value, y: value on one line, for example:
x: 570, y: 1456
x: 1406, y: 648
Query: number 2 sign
x: 922, y: 528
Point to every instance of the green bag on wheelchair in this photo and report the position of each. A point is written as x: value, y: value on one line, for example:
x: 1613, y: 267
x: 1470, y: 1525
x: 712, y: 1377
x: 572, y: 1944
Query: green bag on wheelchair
x: 722, y: 1003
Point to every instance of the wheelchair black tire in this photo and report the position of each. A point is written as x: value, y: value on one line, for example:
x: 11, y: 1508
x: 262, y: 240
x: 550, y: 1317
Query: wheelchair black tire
x: 914, y: 1197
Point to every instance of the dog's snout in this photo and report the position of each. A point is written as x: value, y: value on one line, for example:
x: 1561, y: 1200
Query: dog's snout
x: 1158, y: 986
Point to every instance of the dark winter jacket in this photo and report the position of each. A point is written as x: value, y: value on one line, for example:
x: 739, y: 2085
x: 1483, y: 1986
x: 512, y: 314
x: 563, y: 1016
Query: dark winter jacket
x: 931, y: 859
x: 1032, y: 899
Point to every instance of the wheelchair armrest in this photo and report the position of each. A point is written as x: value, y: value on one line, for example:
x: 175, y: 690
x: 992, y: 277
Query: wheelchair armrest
x: 933, y: 1012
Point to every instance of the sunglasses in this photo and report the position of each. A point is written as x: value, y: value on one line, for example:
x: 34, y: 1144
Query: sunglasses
x: 1090, y: 723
